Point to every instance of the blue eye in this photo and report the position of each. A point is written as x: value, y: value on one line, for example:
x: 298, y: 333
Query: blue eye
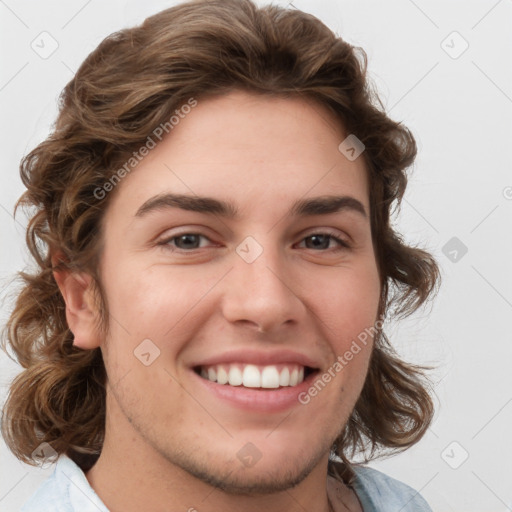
x: 315, y: 241
x: 185, y: 241
x: 322, y: 241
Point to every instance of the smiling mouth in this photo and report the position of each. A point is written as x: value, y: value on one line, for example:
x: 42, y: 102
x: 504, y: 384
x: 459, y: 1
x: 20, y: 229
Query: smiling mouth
x: 255, y: 376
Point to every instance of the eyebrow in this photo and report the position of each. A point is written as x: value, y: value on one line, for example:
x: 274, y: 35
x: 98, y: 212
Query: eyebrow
x: 322, y: 205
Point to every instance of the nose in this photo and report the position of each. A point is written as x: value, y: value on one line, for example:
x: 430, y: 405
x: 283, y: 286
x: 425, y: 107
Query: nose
x: 261, y: 293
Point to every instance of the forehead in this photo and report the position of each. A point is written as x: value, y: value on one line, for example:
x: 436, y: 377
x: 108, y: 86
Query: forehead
x: 249, y: 148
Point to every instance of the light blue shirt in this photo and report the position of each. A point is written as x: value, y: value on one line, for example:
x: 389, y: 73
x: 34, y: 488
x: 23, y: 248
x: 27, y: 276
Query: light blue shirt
x: 68, y: 490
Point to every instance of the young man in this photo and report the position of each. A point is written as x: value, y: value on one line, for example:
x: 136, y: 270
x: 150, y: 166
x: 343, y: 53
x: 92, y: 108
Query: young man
x: 216, y: 261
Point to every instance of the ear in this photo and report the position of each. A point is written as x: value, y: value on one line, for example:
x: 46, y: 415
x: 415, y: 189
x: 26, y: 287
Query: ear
x: 81, y: 312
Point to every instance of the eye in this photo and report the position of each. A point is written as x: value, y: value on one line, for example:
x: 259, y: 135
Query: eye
x: 322, y: 241
x: 184, y: 241
x: 315, y: 241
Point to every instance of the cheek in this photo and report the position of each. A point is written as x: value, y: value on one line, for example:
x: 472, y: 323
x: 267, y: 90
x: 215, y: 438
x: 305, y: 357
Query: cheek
x: 347, y: 302
x: 158, y: 303
x: 156, y: 296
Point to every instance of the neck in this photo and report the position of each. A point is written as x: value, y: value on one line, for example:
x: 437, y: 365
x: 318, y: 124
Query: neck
x: 128, y: 483
x: 130, y: 475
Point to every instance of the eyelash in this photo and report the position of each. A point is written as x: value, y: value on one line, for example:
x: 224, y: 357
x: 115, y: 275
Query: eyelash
x: 342, y: 244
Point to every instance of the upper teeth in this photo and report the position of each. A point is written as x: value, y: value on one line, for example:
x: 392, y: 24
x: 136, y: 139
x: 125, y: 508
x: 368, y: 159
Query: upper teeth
x: 252, y: 376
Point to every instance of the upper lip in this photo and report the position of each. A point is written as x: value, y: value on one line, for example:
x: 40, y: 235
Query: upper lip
x: 260, y: 357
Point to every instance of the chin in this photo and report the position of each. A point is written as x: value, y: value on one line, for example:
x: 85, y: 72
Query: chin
x: 252, y: 472
x: 252, y: 481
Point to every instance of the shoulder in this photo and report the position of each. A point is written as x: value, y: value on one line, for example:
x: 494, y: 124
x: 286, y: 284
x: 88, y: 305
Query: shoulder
x: 378, y: 491
x: 46, y: 497
x: 65, y: 490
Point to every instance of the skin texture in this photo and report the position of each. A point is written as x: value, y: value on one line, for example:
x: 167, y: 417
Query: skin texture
x: 170, y: 441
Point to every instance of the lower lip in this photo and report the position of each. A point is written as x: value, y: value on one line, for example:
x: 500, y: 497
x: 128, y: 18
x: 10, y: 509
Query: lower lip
x: 259, y: 400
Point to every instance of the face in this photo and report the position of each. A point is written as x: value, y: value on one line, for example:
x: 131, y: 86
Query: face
x: 238, y: 267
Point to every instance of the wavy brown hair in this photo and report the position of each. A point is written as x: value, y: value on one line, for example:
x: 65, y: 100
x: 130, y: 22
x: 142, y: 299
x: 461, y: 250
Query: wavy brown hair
x: 129, y: 85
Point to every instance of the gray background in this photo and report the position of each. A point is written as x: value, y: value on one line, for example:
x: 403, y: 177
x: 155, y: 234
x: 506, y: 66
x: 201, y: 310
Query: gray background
x: 459, y: 106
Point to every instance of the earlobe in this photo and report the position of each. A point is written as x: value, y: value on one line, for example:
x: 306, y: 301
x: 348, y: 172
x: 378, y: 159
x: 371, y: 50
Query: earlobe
x: 81, y: 312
